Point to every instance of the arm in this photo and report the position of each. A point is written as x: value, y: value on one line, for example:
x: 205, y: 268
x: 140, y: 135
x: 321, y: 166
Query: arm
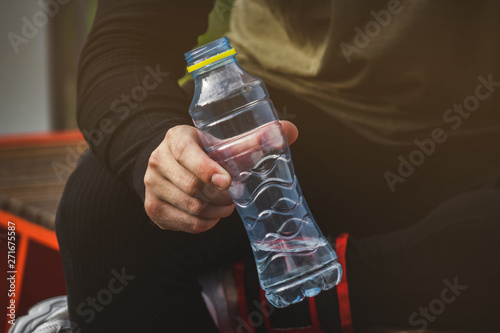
x: 128, y: 96
x: 134, y: 115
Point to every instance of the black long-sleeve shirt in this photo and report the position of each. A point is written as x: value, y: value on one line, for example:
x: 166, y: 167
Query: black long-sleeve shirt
x: 128, y: 96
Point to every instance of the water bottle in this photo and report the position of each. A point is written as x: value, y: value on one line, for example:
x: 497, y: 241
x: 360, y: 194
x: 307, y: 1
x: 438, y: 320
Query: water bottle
x: 239, y: 129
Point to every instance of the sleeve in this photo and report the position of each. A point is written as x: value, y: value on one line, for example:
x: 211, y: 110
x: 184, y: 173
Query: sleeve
x: 128, y: 96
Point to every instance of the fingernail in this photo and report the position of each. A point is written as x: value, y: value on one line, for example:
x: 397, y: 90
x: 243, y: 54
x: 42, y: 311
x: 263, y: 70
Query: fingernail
x: 219, y: 180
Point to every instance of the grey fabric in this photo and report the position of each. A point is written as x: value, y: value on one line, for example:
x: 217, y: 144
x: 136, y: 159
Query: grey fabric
x: 48, y: 316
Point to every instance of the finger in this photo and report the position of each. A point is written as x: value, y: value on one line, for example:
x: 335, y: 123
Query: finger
x: 170, y: 170
x: 195, y: 206
x: 215, y: 196
x: 168, y: 217
x: 245, y: 152
x: 189, y: 154
x: 289, y: 129
x: 270, y: 136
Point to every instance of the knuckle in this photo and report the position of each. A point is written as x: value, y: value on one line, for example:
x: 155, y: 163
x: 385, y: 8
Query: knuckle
x: 191, y: 186
x: 196, y: 206
x: 153, y: 208
x: 171, y: 133
x: 179, y: 148
x: 197, y: 227
x: 154, y: 159
x: 202, y: 170
x: 148, y: 179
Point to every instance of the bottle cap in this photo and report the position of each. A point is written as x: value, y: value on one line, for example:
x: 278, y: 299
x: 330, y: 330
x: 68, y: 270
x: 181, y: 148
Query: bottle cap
x: 211, y: 60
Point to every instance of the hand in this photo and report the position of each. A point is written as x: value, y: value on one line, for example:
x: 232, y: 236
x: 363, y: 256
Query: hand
x: 185, y: 189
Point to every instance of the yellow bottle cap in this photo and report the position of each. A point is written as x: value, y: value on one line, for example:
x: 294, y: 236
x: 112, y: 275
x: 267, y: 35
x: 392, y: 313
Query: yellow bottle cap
x: 211, y: 60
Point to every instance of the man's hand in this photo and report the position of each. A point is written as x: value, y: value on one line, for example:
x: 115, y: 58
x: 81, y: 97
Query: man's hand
x: 185, y: 188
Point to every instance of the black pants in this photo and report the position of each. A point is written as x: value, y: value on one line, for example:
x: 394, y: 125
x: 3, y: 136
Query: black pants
x: 411, y: 262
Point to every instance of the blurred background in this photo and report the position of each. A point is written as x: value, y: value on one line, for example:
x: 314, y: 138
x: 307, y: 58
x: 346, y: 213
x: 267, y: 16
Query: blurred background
x: 39, y: 140
x: 38, y: 60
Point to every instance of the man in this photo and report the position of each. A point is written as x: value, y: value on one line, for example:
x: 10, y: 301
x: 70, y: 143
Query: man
x: 396, y: 107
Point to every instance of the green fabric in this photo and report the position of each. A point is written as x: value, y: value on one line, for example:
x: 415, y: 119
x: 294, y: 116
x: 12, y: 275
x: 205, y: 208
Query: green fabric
x: 389, y: 70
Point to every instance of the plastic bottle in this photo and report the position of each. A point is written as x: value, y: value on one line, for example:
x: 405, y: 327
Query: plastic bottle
x: 240, y: 130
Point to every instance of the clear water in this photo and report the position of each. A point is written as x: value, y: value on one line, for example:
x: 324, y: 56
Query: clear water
x: 240, y: 130
x: 293, y: 258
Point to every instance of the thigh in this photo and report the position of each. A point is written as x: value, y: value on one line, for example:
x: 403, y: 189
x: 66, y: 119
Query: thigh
x: 441, y: 272
x: 117, y: 262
